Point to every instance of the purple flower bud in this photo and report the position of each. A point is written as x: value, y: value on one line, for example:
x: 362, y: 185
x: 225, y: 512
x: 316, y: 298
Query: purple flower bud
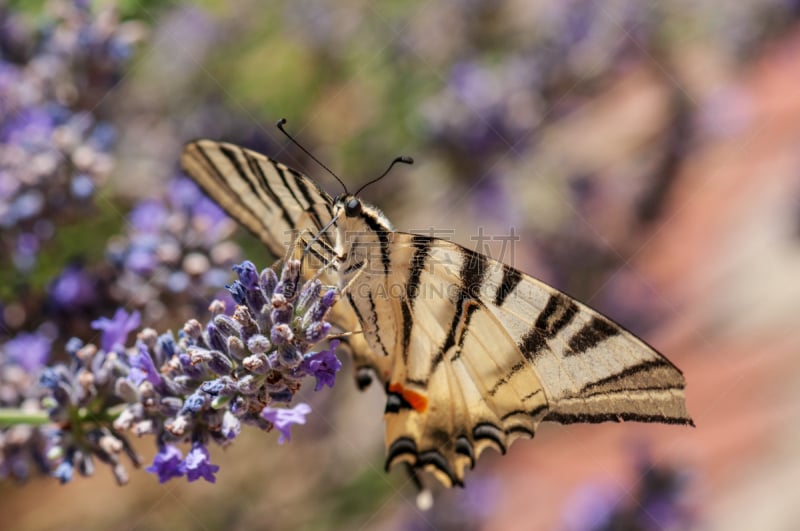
x: 73, y: 346
x: 317, y: 331
x: 323, y: 366
x: 248, y: 274
x: 221, y: 386
x: 268, y: 281
x: 320, y: 309
x: 220, y: 363
x: 193, y: 329
x: 289, y: 356
x: 167, y: 463
x: 125, y: 389
x: 247, y: 325
x: 236, y: 348
x: 283, y: 419
x: 226, y: 325
x: 238, y: 292
x: 281, y: 334
x: 282, y: 310
x: 195, y: 403
x: 149, y: 337
x: 165, y: 346
x: 215, y: 338
x: 170, y: 405
x: 198, y: 465
x: 258, y: 344
x: 257, y: 363
x: 188, y: 362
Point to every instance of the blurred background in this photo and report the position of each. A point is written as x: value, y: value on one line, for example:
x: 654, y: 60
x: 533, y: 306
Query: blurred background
x: 642, y: 156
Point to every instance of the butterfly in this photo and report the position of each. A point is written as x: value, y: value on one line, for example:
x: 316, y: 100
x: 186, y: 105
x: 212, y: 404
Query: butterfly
x: 471, y: 352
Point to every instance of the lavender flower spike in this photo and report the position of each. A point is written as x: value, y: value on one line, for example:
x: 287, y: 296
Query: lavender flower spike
x: 283, y: 419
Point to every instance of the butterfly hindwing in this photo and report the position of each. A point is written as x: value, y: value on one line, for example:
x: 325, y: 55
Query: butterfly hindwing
x: 484, y: 353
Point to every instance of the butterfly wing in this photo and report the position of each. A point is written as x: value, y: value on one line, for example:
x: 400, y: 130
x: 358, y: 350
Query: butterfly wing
x: 483, y: 353
x: 277, y: 204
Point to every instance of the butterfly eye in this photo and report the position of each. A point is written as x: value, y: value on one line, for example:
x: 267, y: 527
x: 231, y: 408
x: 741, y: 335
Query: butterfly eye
x: 352, y: 208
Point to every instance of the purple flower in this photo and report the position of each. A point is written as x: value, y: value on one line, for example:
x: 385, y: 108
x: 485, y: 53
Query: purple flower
x: 142, y: 367
x: 183, y: 193
x: 167, y: 463
x: 248, y: 275
x: 323, y: 366
x: 116, y: 330
x: 148, y: 216
x: 197, y: 464
x: 283, y: 419
x: 72, y: 289
x: 28, y: 350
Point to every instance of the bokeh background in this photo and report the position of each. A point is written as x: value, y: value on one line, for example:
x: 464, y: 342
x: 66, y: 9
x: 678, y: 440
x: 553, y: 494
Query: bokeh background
x: 646, y: 155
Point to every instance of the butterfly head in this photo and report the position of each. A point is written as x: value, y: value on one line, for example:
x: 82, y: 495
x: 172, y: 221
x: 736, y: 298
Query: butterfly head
x: 347, y: 204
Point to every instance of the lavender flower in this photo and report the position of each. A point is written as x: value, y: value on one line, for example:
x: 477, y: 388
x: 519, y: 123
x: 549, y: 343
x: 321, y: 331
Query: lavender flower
x: 167, y: 463
x: 323, y: 366
x: 283, y: 419
x: 174, y: 249
x: 198, y: 465
x: 54, y: 148
x: 116, y: 330
x: 200, y: 388
x: 28, y: 350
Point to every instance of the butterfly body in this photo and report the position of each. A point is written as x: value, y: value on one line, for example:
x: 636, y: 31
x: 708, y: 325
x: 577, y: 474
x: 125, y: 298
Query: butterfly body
x: 472, y: 353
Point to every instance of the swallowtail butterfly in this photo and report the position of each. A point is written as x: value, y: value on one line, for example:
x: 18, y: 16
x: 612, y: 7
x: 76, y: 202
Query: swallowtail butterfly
x: 472, y: 353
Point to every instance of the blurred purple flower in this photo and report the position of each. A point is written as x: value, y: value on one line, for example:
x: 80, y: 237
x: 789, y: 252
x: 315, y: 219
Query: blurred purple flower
x: 28, y: 350
x: 116, y: 330
x: 73, y: 288
x: 183, y: 193
x: 323, y: 366
x: 167, y: 463
x: 148, y: 216
x: 198, y: 465
x: 283, y: 419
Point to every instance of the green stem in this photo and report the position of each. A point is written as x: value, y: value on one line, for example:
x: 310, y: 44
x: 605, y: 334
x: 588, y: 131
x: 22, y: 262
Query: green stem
x: 12, y: 417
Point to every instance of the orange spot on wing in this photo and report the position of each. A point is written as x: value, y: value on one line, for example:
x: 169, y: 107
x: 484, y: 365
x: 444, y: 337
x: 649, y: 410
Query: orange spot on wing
x: 417, y: 400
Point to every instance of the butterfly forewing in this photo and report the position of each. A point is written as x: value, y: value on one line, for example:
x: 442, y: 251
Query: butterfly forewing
x: 472, y: 353
x: 275, y: 202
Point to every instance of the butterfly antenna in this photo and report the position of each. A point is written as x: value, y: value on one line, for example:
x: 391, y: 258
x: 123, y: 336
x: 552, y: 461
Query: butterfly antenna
x: 280, y: 125
x: 404, y: 160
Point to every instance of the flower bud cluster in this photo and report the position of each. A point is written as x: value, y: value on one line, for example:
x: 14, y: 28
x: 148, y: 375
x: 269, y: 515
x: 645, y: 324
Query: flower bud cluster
x: 200, y: 386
